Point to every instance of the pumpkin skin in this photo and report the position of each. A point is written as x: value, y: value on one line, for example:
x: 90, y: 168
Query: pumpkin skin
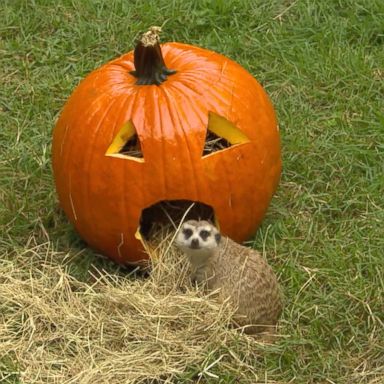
x: 104, y: 196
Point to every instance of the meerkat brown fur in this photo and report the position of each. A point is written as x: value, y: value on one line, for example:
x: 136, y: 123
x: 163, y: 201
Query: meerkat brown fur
x: 237, y: 272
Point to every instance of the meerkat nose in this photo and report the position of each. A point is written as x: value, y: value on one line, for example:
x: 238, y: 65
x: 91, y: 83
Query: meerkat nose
x: 195, y: 243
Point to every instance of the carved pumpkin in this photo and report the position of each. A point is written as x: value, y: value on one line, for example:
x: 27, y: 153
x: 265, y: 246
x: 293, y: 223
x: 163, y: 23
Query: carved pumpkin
x: 135, y: 133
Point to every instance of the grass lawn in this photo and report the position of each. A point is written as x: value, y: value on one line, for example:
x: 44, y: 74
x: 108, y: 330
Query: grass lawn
x: 322, y: 63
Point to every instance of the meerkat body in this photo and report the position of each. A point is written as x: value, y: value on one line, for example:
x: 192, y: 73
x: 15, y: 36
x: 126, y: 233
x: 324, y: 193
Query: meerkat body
x: 238, y: 273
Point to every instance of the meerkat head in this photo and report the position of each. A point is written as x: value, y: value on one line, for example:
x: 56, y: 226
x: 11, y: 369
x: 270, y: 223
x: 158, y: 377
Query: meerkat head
x: 198, y: 238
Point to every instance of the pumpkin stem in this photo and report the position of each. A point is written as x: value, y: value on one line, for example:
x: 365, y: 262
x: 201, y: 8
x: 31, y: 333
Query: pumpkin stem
x: 148, y: 60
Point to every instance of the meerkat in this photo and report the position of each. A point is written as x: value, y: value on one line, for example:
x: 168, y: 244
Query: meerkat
x: 238, y: 273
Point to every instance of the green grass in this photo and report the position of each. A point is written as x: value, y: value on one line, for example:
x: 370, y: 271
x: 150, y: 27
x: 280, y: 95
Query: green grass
x: 322, y: 63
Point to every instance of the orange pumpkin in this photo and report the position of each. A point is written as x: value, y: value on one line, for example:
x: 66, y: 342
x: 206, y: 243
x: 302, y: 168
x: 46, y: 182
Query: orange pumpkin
x: 135, y: 133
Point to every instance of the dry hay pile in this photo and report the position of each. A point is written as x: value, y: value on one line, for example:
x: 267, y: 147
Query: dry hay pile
x: 114, y: 328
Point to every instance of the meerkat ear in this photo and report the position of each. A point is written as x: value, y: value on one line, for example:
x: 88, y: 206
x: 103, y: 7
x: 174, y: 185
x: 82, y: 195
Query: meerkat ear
x: 217, y: 238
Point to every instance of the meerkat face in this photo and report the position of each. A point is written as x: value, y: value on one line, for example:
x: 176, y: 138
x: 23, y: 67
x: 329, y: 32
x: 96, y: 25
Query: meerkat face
x: 198, y: 237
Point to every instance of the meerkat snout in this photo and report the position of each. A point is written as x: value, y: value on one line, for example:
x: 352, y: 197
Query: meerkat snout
x: 195, y: 244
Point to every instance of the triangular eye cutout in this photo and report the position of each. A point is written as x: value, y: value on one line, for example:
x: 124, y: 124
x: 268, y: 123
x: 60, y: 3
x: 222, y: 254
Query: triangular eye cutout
x: 214, y: 143
x: 221, y: 134
x: 126, y: 144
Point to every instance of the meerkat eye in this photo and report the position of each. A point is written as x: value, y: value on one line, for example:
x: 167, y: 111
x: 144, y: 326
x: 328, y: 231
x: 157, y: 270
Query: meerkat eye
x: 187, y: 232
x: 204, y: 234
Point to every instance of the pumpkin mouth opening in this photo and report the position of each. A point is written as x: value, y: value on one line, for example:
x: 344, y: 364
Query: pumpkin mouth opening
x: 170, y: 213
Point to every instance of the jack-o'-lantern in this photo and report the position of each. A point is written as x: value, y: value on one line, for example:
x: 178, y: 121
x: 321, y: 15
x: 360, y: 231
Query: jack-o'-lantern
x: 170, y: 124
